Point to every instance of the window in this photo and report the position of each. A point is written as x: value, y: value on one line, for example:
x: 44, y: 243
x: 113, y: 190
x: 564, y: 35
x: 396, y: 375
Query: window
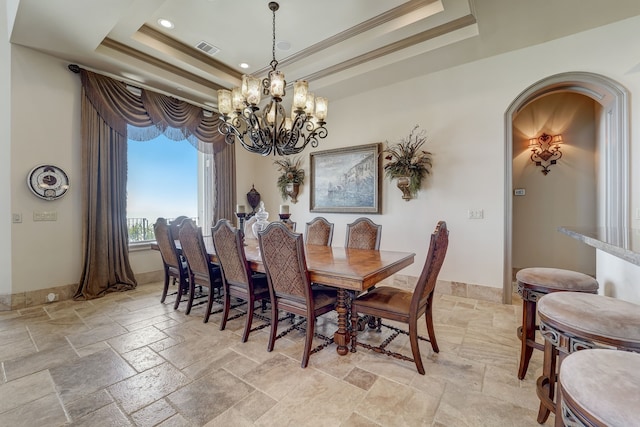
x: 166, y: 178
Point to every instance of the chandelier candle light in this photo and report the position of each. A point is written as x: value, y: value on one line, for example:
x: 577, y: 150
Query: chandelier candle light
x: 271, y: 131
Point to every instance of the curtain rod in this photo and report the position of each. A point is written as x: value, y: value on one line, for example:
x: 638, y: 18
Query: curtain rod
x: 75, y: 68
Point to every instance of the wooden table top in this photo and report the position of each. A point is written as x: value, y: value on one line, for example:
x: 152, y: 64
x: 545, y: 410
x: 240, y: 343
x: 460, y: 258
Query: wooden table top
x: 353, y: 269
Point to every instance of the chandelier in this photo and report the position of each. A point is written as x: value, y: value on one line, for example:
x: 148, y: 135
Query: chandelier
x: 271, y: 130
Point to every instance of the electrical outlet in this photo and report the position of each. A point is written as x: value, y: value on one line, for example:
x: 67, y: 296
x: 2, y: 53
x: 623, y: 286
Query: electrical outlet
x: 476, y: 213
x: 519, y: 192
x: 16, y: 218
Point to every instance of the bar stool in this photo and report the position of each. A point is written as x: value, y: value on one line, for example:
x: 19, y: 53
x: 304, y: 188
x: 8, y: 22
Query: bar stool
x: 600, y: 388
x: 533, y: 283
x: 572, y: 321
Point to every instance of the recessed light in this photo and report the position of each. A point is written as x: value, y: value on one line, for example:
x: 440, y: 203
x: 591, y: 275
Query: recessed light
x: 244, y: 65
x: 165, y: 23
x: 283, y: 45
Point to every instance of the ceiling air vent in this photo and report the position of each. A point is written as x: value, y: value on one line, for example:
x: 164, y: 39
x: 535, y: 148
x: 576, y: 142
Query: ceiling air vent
x: 207, y: 48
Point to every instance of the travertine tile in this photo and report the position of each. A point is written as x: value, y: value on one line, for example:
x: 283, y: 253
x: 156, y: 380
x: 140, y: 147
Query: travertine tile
x: 315, y: 398
x: 361, y: 379
x: 107, y: 416
x: 136, y: 339
x: 39, y: 361
x: 25, y: 390
x: 153, y: 414
x: 88, y: 404
x: 142, y: 389
x: 86, y: 375
x: 209, y: 396
x: 143, y: 358
x: 390, y: 403
x: 254, y: 405
x: 128, y: 359
x: 461, y: 407
x: 45, y: 411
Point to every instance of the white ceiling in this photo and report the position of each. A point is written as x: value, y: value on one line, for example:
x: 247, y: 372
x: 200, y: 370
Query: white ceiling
x: 340, y: 46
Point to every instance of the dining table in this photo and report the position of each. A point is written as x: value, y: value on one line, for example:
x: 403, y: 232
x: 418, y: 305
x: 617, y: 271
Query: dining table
x: 350, y: 271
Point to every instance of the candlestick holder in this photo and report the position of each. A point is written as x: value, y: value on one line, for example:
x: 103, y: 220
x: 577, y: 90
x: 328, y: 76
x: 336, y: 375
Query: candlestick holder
x: 284, y: 217
x: 241, y: 217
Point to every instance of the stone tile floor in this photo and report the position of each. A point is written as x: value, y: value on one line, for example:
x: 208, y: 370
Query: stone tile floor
x: 126, y: 359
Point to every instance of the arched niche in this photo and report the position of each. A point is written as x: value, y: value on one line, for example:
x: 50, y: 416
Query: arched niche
x: 613, y: 146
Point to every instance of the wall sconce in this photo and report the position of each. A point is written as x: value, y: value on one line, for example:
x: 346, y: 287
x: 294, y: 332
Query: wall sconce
x: 545, y: 150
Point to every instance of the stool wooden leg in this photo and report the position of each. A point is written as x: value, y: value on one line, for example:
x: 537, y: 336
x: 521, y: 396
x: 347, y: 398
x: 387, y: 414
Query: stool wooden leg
x: 545, y: 386
x: 528, y: 333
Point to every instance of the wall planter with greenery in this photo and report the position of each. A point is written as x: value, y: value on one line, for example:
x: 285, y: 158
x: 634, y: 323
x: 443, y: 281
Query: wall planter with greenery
x: 408, y: 163
x: 291, y: 177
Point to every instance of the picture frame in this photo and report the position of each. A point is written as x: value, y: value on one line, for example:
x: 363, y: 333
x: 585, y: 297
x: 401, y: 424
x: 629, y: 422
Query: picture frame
x: 346, y: 180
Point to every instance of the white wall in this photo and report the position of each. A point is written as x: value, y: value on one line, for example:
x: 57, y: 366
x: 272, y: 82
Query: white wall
x: 462, y: 110
x: 566, y: 195
x: 617, y: 278
x: 5, y: 159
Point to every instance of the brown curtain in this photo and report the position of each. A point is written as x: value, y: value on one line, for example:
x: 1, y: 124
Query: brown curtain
x: 108, y: 109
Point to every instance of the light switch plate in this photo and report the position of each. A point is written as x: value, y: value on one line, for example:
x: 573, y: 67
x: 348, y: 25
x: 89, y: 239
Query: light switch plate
x: 45, y: 216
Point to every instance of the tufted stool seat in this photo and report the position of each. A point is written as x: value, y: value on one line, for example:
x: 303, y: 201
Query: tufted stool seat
x: 600, y: 388
x: 533, y: 283
x: 572, y: 321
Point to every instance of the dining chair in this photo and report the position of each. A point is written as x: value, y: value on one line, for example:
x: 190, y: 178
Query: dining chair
x: 319, y: 232
x: 175, y: 225
x: 405, y: 306
x: 238, y: 280
x: 174, y: 267
x: 284, y: 262
x: 202, y: 272
x: 363, y: 234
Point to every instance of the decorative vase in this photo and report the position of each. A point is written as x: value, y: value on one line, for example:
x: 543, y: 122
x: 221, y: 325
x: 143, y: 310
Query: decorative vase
x: 253, y: 197
x: 292, y: 191
x: 261, y: 222
x: 403, y: 185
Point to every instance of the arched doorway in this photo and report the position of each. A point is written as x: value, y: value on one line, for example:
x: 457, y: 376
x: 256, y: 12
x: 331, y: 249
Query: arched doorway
x: 613, y: 144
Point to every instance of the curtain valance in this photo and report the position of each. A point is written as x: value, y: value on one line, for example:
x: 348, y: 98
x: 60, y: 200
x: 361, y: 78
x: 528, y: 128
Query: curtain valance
x: 151, y: 114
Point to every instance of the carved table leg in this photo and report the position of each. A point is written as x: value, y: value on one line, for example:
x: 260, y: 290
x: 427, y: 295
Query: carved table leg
x: 341, y: 336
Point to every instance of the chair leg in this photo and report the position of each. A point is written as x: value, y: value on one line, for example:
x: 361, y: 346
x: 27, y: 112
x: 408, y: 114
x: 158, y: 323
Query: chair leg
x: 311, y: 323
x: 432, y: 334
x: 225, y: 310
x: 249, y: 319
x: 545, y: 385
x: 192, y: 294
x: 274, y: 324
x: 166, y: 287
x: 182, y: 286
x: 209, y: 304
x: 413, y: 338
x: 528, y: 333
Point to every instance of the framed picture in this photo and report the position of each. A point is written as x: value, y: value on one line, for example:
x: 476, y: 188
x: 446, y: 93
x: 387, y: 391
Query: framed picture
x: 346, y: 180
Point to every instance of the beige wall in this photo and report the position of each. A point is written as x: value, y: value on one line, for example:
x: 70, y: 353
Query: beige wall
x: 5, y: 159
x: 462, y: 109
x: 45, y: 129
x: 566, y: 195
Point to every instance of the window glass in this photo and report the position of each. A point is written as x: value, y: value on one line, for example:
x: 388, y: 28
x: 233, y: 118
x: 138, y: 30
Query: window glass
x: 162, y: 181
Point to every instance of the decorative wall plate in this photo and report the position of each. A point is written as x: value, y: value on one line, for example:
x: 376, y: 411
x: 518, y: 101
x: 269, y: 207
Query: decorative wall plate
x: 48, y: 182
